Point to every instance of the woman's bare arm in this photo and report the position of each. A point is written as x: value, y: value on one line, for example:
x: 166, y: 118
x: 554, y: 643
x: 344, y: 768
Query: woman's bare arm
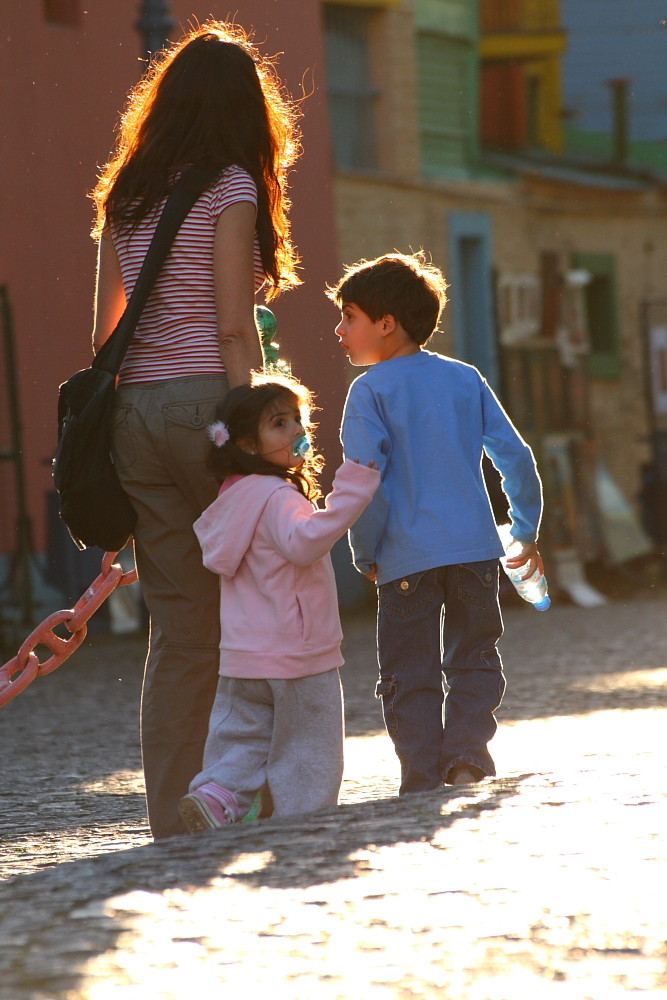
x: 109, y: 292
x: 235, y: 292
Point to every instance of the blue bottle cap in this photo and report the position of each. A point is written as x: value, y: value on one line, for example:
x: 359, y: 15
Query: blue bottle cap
x: 543, y: 605
x: 301, y: 447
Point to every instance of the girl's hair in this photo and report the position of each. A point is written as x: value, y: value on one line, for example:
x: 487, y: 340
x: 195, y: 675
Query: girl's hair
x: 242, y: 411
x: 211, y: 101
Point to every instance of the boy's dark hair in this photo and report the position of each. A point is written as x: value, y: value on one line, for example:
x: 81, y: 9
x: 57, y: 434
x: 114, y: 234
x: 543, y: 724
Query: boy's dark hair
x: 404, y: 286
x: 241, y: 411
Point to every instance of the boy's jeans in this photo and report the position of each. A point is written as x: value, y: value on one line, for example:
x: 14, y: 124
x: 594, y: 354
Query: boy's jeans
x: 416, y: 645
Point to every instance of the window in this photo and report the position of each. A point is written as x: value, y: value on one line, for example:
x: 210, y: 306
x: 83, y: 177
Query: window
x: 519, y: 303
x: 446, y: 100
x: 601, y: 313
x: 503, y: 105
x: 62, y: 12
x: 352, y: 96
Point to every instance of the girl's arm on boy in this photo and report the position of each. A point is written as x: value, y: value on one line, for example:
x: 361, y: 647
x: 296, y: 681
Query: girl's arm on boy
x: 302, y: 534
x: 364, y: 434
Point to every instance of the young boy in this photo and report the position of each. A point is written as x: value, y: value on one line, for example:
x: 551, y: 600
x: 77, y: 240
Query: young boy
x: 428, y: 538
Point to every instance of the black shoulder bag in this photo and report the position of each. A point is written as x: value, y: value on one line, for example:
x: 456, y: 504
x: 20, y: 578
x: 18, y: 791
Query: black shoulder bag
x: 93, y: 504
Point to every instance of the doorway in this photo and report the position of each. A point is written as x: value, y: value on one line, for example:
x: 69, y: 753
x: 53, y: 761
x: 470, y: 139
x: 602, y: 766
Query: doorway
x: 471, y: 280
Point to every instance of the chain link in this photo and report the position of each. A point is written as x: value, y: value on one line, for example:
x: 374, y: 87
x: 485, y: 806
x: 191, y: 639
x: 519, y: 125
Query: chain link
x: 22, y: 669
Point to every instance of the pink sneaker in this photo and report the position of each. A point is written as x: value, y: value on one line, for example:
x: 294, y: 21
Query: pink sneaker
x: 209, y: 807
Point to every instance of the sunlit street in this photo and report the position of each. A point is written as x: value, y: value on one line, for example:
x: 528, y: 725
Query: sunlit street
x: 545, y: 881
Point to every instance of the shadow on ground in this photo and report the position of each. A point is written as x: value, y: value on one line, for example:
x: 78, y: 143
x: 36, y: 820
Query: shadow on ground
x: 42, y: 910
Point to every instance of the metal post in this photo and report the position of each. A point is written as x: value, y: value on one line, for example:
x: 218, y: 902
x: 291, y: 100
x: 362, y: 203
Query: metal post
x: 155, y: 25
x: 621, y: 124
x: 24, y: 533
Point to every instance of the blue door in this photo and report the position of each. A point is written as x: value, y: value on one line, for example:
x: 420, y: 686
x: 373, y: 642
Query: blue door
x: 471, y: 292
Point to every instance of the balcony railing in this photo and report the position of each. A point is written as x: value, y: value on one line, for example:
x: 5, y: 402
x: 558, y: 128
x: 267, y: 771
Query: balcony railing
x: 502, y: 16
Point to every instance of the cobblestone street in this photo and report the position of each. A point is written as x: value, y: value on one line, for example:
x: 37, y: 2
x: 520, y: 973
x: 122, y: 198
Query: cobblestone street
x: 547, y: 882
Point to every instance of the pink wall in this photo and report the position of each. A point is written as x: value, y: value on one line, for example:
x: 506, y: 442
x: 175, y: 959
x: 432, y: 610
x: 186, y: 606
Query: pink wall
x: 62, y: 90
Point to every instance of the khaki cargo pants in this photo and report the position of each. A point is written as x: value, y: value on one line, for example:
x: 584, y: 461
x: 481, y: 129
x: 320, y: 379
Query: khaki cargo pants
x: 160, y: 447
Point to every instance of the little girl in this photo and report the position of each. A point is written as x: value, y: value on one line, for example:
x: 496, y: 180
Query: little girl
x: 277, y: 720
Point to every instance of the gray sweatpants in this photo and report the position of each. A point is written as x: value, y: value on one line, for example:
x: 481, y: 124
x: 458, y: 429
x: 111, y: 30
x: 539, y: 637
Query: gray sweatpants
x: 284, y: 733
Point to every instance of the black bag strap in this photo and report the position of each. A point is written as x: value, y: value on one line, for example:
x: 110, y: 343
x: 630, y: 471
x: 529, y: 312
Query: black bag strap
x: 183, y: 195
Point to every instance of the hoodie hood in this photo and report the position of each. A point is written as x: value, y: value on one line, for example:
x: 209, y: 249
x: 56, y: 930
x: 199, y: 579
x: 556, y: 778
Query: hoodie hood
x: 226, y: 528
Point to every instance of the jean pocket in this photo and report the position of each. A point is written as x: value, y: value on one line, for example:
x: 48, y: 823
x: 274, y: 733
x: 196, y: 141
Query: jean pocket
x: 408, y: 593
x: 478, y: 583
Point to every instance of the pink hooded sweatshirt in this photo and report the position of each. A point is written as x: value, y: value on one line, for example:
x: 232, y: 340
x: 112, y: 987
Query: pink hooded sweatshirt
x: 270, y: 547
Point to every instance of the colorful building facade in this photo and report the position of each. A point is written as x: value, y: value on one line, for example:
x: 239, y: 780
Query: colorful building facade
x: 550, y: 260
x: 434, y: 124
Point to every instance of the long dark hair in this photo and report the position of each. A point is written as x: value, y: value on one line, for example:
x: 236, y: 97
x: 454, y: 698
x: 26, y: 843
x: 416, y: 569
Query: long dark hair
x: 241, y: 411
x: 212, y: 100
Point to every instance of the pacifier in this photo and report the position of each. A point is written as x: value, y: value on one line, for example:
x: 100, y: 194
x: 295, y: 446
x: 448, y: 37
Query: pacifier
x: 301, y: 446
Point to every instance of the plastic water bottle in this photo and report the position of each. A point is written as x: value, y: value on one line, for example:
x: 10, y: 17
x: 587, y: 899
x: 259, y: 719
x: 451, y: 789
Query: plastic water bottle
x: 534, y: 589
x: 268, y: 325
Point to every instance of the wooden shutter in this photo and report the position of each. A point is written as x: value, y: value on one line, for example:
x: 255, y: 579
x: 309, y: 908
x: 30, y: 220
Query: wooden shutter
x: 445, y: 103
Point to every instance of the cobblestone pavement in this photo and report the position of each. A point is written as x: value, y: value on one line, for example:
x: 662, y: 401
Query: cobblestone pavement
x: 547, y: 882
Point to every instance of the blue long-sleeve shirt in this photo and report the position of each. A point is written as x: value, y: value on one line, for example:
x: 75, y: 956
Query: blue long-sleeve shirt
x: 426, y: 420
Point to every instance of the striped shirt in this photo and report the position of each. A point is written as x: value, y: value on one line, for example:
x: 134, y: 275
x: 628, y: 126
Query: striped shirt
x: 177, y: 334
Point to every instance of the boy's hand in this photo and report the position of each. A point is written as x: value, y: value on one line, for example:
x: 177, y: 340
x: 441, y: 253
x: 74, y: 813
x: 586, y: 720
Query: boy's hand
x: 371, y: 464
x: 528, y: 557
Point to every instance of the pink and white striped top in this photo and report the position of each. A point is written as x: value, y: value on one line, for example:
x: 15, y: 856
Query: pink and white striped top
x: 177, y: 334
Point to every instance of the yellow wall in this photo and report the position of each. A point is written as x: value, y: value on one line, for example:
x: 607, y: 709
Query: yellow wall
x: 540, y: 15
x: 550, y: 124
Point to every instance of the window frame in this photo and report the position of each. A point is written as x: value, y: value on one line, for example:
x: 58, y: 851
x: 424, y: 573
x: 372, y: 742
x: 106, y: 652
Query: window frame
x: 603, y: 362
x: 363, y: 97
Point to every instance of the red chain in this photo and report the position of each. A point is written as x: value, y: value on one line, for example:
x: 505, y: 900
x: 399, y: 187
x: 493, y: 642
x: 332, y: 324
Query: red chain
x: 25, y: 666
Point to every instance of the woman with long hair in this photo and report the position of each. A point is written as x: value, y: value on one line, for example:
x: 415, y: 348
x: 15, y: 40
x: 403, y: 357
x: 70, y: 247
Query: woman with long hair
x: 211, y: 102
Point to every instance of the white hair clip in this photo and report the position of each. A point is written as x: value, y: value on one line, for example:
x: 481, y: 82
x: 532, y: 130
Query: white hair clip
x: 218, y: 433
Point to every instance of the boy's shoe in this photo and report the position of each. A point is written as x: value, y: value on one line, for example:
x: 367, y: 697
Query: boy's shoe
x: 464, y: 774
x: 208, y: 808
